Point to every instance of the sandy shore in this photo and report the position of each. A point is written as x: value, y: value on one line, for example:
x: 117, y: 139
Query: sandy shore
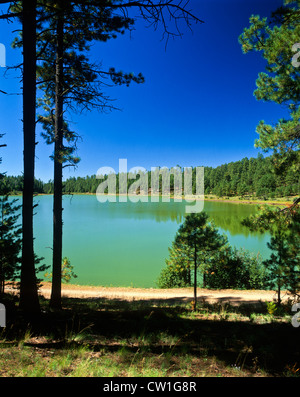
x: 233, y: 297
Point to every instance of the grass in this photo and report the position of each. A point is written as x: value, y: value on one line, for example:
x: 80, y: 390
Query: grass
x: 114, y: 338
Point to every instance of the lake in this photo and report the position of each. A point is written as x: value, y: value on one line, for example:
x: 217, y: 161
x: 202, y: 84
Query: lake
x: 125, y: 244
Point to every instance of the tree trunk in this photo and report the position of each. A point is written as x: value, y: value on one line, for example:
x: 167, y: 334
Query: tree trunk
x: 55, y: 301
x: 279, y: 274
x: 278, y: 294
x: 195, y: 278
x: 29, y: 301
x: 279, y: 285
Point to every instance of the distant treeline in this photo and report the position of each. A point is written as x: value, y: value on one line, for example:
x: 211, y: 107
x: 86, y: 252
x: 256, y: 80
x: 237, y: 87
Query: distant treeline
x: 247, y: 177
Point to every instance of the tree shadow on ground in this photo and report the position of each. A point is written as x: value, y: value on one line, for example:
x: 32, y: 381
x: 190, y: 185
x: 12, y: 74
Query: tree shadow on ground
x: 144, y: 326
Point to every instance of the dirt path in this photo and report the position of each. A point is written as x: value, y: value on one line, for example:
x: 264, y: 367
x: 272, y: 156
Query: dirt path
x: 233, y: 297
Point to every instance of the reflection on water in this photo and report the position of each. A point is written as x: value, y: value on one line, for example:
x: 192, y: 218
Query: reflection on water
x: 229, y: 216
x: 158, y: 211
x: 126, y: 243
x: 225, y: 215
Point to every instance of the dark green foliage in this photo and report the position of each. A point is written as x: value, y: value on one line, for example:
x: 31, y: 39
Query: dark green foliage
x: 284, y: 264
x: 171, y: 277
x: 178, y: 272
x: 196, y: 244
x: 201, y: 240
x: 14, y: 185
x: 275, y: 38
x: 232, y: 268
x: 252, y: 177
x: 10, y: 241
x: 237, y: 269
x: 10, y: 236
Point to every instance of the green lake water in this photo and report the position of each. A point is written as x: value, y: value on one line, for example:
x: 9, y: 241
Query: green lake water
x: 126, y: 244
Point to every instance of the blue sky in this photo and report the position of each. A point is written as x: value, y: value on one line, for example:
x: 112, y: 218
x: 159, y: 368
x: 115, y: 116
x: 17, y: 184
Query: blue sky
x: 195, y: 108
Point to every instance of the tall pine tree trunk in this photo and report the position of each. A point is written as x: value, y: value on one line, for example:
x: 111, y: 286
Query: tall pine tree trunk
x: 55, y: 301
x: 29, y: 301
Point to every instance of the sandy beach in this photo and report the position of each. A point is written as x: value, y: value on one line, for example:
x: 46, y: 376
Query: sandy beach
x: 234, y: 297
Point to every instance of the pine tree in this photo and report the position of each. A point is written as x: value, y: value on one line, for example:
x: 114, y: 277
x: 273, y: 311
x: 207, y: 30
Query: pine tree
x: 28, y: 288
x: 198, y: 241
x: 26, y: 12
x: 280, y: 84
x: 284, y: 263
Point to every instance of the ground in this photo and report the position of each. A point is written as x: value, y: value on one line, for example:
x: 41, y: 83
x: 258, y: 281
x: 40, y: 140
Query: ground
x: 135, y: 332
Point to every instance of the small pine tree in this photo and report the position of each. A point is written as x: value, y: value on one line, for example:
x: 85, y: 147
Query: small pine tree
x: 277, y: 263
x: 194, y: 246
x: 66, y: 271
x: 283, y: 265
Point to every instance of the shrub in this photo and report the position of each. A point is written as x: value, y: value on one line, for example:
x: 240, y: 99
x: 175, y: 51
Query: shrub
x: 237, y: 269
x: 172, y: 277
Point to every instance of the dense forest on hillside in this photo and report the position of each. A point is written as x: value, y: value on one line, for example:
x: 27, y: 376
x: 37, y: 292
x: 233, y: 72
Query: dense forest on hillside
x: 247, y: 177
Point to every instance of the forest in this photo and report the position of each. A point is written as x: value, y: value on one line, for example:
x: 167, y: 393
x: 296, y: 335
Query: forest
x: 252, y: 177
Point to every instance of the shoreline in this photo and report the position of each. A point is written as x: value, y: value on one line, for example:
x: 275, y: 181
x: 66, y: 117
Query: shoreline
x: 172, y: 295
x: 232, y: 200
